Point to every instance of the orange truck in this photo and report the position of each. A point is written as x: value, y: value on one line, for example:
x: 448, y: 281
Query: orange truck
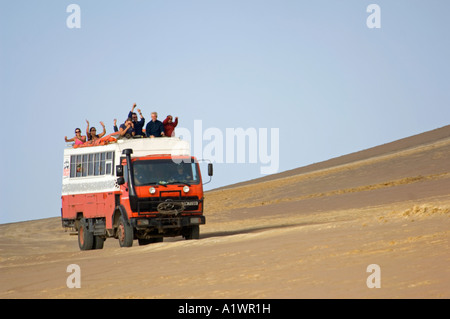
x: 144, y: 189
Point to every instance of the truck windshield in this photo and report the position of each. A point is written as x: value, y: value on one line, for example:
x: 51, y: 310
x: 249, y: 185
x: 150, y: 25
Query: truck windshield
x: 164, y: 172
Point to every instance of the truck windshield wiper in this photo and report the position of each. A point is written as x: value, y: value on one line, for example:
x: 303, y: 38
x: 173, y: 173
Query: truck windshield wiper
x: 154, y: 183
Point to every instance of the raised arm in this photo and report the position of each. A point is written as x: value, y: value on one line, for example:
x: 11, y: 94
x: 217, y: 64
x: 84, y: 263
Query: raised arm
x: 104, y: 130
x: 88, y: 133
x: 140, y: 113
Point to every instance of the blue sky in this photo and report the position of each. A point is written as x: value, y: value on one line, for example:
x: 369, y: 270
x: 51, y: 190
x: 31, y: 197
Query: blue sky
x: 312, y: 69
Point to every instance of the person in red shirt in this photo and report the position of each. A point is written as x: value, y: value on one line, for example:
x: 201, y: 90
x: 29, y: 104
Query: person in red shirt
x: 169, y: 126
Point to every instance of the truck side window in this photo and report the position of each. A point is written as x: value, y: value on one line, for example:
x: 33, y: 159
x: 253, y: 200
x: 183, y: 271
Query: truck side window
x: 73, y: 165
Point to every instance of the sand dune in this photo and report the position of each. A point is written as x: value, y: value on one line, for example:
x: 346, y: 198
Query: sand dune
x: 306, y: 233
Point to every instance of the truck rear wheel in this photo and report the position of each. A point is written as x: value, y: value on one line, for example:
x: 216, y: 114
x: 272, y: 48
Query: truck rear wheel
x: 85, y: 237
x: 125, y: 233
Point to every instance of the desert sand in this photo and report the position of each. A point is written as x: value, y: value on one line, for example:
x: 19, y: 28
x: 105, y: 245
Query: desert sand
x: 311, y: 232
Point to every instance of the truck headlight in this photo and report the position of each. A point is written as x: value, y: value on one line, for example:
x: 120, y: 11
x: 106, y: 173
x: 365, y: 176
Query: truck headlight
x: 186, y: 189
x: 196, y: 220
x: 152, y: 190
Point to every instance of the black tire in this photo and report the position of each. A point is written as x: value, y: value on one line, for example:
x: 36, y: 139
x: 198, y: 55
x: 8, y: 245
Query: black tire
x: 125, y: 233
x: 85, y: 237
x: 98, y: 242
x: 193, y: 232
x: 143, y: 241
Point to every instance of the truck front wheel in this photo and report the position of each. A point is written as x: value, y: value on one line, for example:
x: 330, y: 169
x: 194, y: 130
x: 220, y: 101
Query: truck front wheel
x: 125, y: 233
x: 193, y: 232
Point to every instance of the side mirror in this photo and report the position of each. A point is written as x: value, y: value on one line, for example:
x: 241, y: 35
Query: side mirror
x: 210, y: 169
x: 121, y: 181
x: 119, y: 170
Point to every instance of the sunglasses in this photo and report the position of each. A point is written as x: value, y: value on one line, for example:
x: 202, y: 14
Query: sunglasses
x: 77, y: 132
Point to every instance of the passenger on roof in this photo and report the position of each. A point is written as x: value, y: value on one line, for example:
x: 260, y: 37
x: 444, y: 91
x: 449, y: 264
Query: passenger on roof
x: 169, y: 126
x: 92, y: 132
x: 138, y: 125
x: 126, y: 129
x: 154, y: 128
x: 78, y: 138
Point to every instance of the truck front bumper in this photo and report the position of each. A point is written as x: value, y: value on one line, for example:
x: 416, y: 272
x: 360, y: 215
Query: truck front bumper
x: 167, y: 222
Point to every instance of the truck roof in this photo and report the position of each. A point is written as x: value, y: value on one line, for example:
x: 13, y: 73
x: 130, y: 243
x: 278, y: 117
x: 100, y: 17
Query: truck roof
x: 141, y: 147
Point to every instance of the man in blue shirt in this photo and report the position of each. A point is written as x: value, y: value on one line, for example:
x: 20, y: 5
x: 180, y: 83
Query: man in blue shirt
x: 154, y: 128
x: 138, y: 125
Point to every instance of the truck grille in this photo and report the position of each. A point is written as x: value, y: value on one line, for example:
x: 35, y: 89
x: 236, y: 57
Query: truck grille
x: 146, y: 205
